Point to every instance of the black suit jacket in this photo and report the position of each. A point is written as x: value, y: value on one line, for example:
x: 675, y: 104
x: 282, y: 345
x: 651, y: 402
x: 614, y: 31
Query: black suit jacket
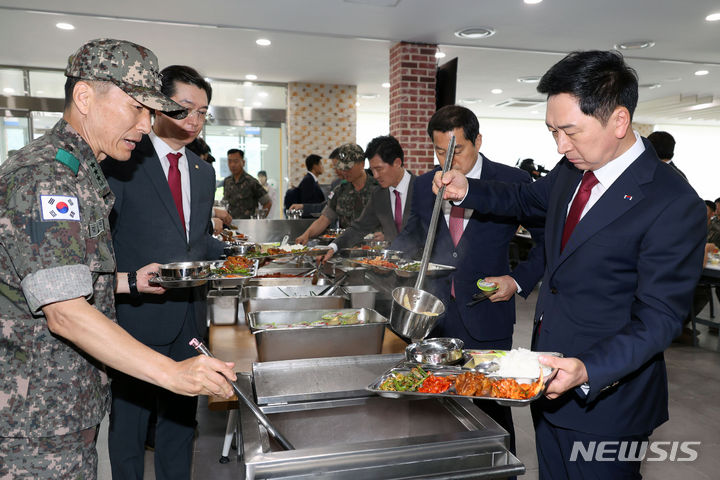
x: 146, y: 228
x: 377, y: 213
x: 310, y: 191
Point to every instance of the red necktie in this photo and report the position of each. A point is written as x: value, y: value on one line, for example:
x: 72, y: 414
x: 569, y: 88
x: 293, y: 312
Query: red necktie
x: 457, y: 217
x: 581, y: 198
x: 398, y: 211
x: 176, y: 184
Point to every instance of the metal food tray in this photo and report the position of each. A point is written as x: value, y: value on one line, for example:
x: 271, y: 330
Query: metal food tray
x: 315, y: 341
x: 223, y: 281
x: 178, y: 283
x: 433, y: 269
x: 302, y: 276
x: 447, y: 370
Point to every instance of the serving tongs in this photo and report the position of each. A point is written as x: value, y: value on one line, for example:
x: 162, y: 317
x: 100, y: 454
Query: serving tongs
x: 264, y: 421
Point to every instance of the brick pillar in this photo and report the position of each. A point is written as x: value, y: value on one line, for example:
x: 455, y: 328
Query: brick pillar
x: 412, y: 101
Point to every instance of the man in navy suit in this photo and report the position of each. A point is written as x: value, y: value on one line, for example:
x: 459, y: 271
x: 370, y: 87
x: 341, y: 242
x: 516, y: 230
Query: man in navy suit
x: 479, y: 250
x: 624, y: 249
x: 309, y: 188
x: 160, y: 216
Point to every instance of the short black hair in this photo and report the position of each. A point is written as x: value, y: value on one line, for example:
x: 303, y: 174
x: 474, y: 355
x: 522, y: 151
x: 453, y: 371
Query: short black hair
x: 387, y: 147
x: 262, y: 172
x: 601, y: 81
x: 183, y: 74
x: 312, y: 160
x: 717, y: 200
x: 70, y: 83
x: 236, y: 150
x: 710, y: 204
x: 450, y: 117
x: 663, y: 143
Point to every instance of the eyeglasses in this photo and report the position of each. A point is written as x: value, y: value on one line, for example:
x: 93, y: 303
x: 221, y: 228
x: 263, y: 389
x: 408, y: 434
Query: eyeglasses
x: 202, y: 115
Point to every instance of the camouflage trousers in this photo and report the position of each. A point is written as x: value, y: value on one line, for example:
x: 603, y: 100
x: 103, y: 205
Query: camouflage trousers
x: 72, y: 456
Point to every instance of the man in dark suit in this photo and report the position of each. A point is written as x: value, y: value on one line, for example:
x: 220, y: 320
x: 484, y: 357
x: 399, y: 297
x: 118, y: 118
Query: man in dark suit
x: 388, y: 208
x: 309, y: 188
x: 477, y: 245
x: 160, y: 216
x: 624, y: 251
x: 664, y: 145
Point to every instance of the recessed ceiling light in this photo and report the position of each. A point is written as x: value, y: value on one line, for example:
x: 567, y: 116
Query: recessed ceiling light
x: 532, y: 2
x: 8, y: 90
x: 635, y: 45
x: 368, y: 96
x: 263, y: 94
x: 496, y: 91
x: 713, y: 17
x: 472, y: 100
x: 475, y: 32
x: 386, y: 85
x: 251, y: 76
x: 700, y: 73
x: 440, y: 55
x: 263, y: 42
x: 65, y: 26
x: 529, y: 79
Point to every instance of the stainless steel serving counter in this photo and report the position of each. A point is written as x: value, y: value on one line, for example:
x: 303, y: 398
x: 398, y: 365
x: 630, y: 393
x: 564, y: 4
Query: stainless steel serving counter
x: 272, y: 230
x: 341, y: 431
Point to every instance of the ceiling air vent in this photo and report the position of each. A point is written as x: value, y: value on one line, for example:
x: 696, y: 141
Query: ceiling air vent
x: 519, y: 103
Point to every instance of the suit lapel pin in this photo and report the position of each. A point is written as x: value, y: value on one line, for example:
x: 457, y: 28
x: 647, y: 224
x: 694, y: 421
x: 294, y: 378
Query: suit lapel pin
x: 627, y: 197
x: 197, y: 167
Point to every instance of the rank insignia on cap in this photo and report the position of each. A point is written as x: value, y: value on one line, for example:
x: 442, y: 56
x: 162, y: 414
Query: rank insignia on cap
x: 627, y: 197
x: 59, y: 207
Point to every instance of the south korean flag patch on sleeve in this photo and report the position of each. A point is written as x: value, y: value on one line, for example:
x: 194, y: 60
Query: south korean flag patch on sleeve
x: 59, y: 207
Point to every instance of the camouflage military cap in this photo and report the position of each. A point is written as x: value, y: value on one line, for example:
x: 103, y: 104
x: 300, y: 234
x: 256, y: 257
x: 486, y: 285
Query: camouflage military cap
x: 348, y: 155
x: 133, y: 68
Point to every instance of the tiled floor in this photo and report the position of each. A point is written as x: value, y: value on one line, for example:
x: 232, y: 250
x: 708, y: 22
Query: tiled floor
x: 693, y: 373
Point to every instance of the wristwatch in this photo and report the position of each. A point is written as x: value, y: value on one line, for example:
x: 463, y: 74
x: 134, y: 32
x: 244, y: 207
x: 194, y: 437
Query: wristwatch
x: 132, y: 283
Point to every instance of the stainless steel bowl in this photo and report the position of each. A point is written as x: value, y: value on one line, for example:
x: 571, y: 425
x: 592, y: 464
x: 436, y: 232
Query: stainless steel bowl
x: 436, y: 351
x: 240, y: 248
x: 420, y: 318
x: 184, y: 270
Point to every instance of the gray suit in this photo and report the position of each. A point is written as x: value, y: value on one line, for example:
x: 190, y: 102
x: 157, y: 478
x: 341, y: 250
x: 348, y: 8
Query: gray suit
x: 146, y: 228
x: 377, y: 213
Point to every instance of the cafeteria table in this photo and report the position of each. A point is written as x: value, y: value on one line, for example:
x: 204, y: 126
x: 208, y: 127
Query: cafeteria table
x: 710, y: 278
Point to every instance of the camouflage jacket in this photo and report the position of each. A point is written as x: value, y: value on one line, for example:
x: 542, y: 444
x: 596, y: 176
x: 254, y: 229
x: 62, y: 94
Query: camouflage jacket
x: 244, y: 195
x: 346, y: 204
x: 54, y: 245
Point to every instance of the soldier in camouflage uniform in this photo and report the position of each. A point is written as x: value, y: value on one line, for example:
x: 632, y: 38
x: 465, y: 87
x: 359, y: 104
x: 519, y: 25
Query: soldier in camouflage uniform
x: 241, y: 191
x: 57, y: 272
x: 347, y: 201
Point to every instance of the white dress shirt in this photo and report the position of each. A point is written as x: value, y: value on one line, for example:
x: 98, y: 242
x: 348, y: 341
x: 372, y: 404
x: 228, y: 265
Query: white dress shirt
x: 402, y: 188
x: 475, y: 173
x: 608, y: 173
x: 162, y: 149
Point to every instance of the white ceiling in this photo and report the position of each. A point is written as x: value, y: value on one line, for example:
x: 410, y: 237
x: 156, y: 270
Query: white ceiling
x: 347, y: 42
